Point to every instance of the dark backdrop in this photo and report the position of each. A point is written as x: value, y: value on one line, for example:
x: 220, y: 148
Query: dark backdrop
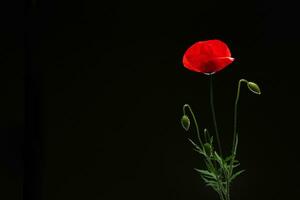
x: 103, y: 89
x: 11, y: 99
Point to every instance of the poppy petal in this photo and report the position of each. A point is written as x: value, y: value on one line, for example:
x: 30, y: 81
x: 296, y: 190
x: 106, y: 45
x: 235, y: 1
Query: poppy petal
x: 207, y: 56
x: 217, y: 64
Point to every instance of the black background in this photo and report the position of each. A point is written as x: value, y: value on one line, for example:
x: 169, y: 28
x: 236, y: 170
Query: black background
x: 92, y: 95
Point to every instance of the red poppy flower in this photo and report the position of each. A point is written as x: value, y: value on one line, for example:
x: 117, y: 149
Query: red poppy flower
x: 207, y: 56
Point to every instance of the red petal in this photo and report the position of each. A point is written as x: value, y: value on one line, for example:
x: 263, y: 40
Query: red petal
x: 207, y: 56
x: 218, y: 64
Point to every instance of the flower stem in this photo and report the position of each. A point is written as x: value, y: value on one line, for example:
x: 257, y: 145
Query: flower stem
x: 234, y: 147
x: 214, y: 114
x: 235, y: 114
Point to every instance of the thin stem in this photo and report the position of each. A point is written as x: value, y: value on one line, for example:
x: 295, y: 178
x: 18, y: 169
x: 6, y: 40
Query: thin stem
x: 235, y: 124
x: 222, y: 191
x: 221, y: 196
x: 195, y: 121
x: 227, y: 190
x: 235, y: 112
x: 214, y: 114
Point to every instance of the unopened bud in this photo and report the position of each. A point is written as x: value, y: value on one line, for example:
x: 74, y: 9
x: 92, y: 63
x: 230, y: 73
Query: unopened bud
x: 253, y: 87
x: 207, y: 149
x: 185, y: 122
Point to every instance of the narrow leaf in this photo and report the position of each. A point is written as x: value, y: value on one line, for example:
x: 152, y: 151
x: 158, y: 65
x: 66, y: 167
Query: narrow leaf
x: 218, y: 159
x: 235, y: 175
x: 236, y: 165
x: 209, y: 167
x: 228, y: 158
x: 206, y: 173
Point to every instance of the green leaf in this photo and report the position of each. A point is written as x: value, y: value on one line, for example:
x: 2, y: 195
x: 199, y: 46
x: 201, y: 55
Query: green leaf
x: 218, y: 158
x: 185, y: 122
x: 253, y: 87
x: 211, y: 183
x: 235, y: 175
x: 228, y: 158
x: 207, y: 179
x: 199, y: 151
x: 209, y: 167
x: 214, y: 186
x: 206, y: 173
x: 236, y: 165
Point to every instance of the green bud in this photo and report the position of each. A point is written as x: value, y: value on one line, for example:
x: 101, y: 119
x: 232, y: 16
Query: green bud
x: 185, y: 122
x: 207, y: 149
x: 253, y: 87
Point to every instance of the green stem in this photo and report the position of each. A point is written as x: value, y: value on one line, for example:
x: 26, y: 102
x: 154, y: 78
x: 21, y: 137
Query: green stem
x: 235, y: 124
x: 227, y: 190
x: 222, y: 191
x: 235, y: 113
x: 214, y: 114
x: 221, y: 196
x: 195, y: 121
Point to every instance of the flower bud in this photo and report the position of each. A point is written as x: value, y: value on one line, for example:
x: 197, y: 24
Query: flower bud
x: 185, y: 122
x: 253, y: 87
x: 207, y: 149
